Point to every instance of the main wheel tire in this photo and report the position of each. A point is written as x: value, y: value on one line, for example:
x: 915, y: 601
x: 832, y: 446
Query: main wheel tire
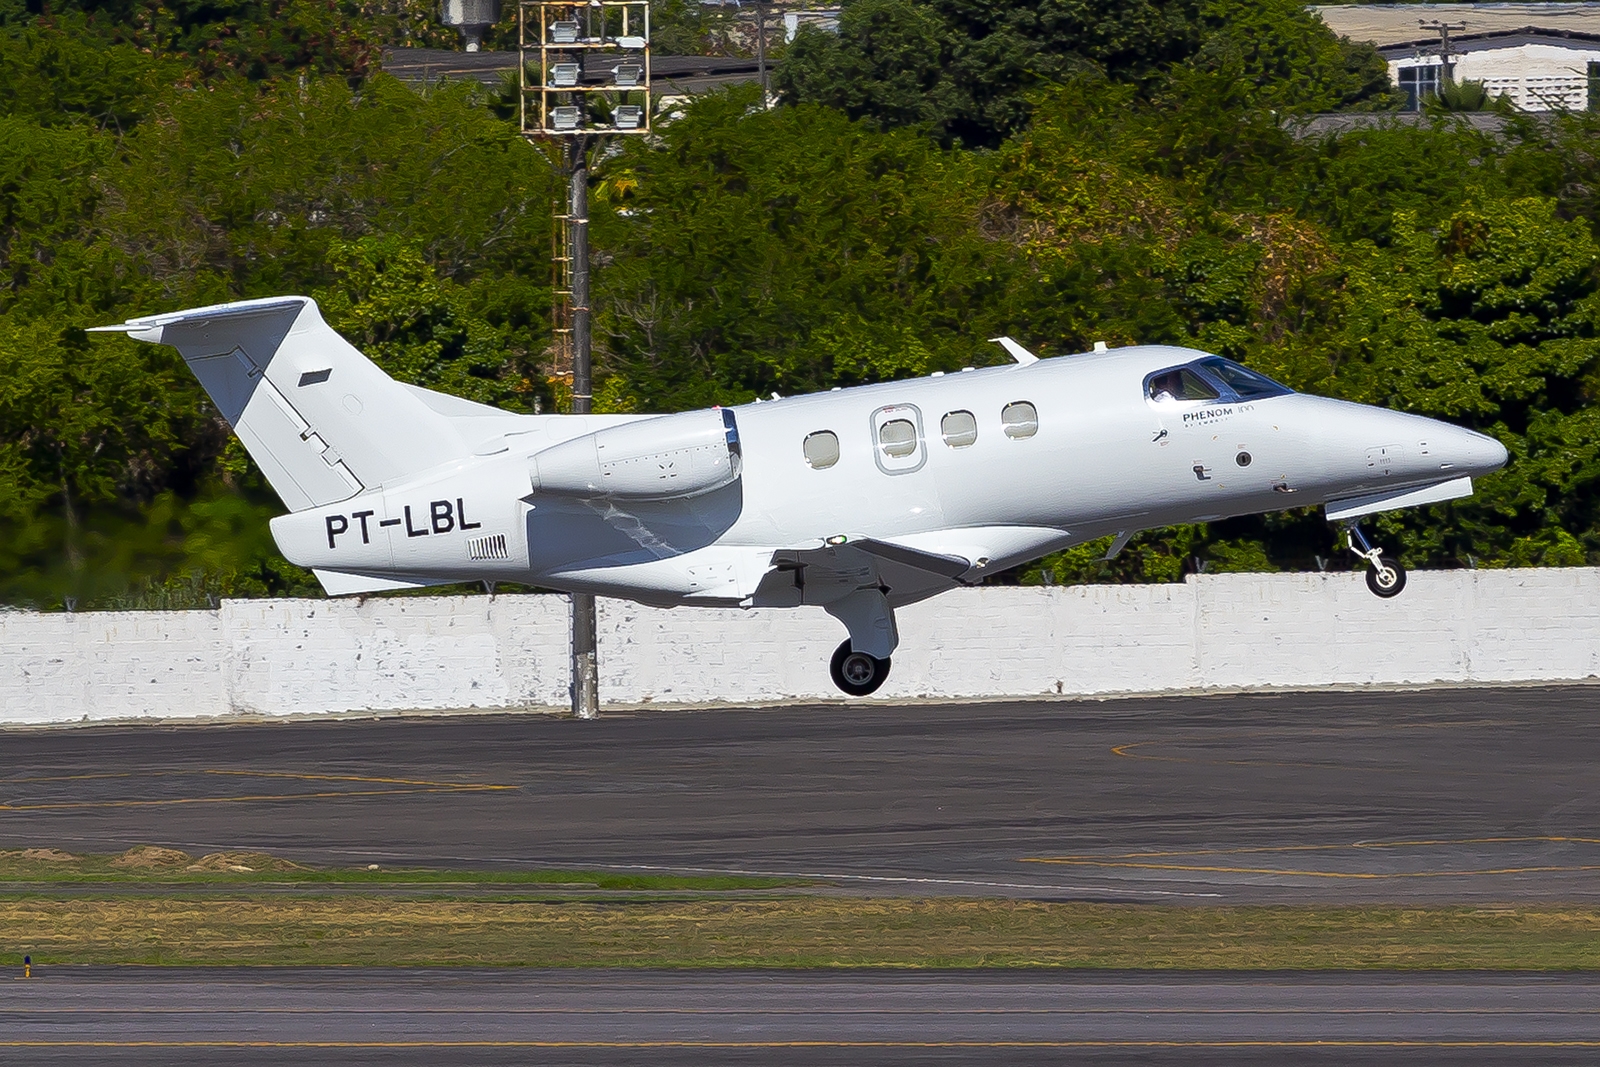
x: 857, y: 673
x: 1387, y: 577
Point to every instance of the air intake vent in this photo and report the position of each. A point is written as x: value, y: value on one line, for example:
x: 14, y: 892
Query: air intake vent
x: 491, y: 547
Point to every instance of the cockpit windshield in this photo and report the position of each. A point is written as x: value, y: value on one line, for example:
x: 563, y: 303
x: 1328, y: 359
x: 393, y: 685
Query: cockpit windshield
x: 1245, y: 383
x: 1211, y: 378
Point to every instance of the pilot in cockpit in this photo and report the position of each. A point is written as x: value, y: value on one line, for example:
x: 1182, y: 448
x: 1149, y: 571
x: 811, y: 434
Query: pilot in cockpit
x: 1164, y: 387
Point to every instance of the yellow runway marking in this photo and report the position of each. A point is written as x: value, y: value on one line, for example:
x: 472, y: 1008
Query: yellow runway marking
x: 1126, y: 751
x: 1128, y: 754
x: 1064, y: 1044
x: 1145, y: 860
x: 805, y: 1013
x: 388, y: 787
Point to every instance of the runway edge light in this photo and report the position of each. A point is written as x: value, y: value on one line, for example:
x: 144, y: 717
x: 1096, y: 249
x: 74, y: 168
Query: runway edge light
x: 27, y: 966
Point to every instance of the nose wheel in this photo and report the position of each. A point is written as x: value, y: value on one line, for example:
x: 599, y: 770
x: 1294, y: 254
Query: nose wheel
x: 857, y: 673
x: 1385, y: 576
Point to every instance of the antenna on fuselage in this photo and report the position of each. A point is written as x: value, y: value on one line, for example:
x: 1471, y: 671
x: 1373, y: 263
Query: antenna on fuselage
x: 1015, y: 351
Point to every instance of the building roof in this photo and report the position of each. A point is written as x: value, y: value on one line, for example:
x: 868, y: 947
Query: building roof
x: 1397, y: 25
x: 1477, y: 42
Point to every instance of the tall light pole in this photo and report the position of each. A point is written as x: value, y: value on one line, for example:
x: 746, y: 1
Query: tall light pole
x: 563, y: 102
x: 585, y: 653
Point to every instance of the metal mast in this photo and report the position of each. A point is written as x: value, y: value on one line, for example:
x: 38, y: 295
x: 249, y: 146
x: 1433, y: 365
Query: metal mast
x: 572, y: 97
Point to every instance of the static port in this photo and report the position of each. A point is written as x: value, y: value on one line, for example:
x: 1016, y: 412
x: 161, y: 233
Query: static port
x: 1242, y: 459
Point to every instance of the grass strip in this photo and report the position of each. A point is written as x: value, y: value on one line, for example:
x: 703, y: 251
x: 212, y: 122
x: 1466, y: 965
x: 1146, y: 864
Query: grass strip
x: 146, y: 867
x: 788, y: 932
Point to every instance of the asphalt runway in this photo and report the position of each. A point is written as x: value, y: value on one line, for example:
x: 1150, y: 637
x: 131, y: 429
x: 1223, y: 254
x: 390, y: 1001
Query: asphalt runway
x: 134, y: 1015
x: 1469, y: 795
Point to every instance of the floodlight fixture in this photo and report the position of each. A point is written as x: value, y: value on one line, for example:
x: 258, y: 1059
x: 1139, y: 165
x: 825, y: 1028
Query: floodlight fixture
x: 627, y: 116
x: 565, y: 118
x: 564, y: 32
x: 471, y: 17
x: 564, y: 75
x: 627, y: 75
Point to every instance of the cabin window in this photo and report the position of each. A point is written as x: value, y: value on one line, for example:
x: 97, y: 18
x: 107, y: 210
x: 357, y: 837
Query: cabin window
x: 897, y: 438
x: 1020, y: 419
x: 959, y: 429
x: 1180, y: 383
x: 821, y: 448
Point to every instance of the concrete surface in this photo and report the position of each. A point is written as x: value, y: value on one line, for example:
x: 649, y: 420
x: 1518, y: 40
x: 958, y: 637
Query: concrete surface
x: 518, y: 1017
x: 1244, y: 631
x: 1478, y: 795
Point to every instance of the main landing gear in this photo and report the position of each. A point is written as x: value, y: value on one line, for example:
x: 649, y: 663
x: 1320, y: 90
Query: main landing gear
x: 866, y: 613
x: 1385, y: 576
x: 857, y: 673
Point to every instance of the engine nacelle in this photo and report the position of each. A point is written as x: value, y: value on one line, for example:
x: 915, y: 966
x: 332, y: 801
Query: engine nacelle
x: 653, y: 459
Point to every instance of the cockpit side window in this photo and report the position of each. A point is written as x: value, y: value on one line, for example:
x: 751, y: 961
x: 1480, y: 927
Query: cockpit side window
x: 1179, y: 383
x: 1245, y: 383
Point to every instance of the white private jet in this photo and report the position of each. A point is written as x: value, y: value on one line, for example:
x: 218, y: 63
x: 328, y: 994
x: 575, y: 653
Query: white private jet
x: 857, y: 500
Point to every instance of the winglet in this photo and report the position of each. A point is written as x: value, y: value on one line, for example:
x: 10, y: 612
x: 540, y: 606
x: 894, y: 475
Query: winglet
x: 1015, y: 351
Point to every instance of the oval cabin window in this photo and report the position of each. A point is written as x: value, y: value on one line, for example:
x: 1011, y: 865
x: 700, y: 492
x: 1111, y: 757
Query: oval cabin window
x: 959, y: 429
x: 821, y: 448
x: 897, y: 438
x: 1020, y: 419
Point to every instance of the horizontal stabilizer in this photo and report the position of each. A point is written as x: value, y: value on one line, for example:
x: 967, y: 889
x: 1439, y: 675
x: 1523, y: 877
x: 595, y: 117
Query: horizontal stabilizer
x: 341, y: 583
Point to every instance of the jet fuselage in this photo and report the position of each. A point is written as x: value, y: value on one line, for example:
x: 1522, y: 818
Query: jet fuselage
x: 1004, y: 464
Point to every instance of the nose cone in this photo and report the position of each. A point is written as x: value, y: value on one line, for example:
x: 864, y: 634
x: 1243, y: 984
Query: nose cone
x: 1469, y: 452
x: 1370, y: 449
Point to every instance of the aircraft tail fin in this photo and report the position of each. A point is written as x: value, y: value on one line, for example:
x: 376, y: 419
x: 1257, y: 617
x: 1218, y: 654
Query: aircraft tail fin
x: 321, y: 420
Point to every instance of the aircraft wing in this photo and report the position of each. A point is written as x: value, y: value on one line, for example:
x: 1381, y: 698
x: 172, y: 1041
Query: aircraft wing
x: 845, y: 554
x: 932, y: 562
x: 945, y: 566
x: 821, y: 572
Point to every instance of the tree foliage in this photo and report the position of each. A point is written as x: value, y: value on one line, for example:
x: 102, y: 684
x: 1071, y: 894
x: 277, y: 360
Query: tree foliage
x: 968, y: 72
x: 942, y: 172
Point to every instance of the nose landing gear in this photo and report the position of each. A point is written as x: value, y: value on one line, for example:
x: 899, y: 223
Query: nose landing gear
x: 1385, y: 576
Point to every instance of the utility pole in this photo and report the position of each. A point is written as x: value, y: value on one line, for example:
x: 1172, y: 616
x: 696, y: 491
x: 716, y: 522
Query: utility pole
x: 1446, y: 53
x: 763, y: 10
x: 567, y: 101
x: 585, y: 656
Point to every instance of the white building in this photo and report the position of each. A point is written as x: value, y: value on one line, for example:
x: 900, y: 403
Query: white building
x: 1545, y: 57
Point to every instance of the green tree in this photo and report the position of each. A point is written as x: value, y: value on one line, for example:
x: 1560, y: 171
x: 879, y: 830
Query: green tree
x: 753, y: 251
x: 1492, y: 320
x: 969, y: 72
x: 964, y: 70
x: 389, y: 302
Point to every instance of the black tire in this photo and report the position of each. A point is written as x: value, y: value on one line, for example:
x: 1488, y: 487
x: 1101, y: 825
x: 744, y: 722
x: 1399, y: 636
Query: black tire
x: 1388, y: 578
x: 857, y: 673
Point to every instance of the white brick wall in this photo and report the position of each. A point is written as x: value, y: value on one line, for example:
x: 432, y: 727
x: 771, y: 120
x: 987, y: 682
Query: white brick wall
x: 118, y: 664
x: 282, y: 657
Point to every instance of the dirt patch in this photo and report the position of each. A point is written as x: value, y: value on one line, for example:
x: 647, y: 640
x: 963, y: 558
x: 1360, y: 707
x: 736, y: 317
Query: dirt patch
x: 146, y: 857
x: 241, y: 863
x: 48, y: 855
